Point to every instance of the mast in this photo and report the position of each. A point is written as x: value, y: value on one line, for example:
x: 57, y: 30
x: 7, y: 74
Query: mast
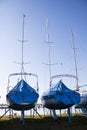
x: 49, y: 49
x: 48, y: 42
x: 75, y: 62
x: 22, y: 41
x: 22, y: 46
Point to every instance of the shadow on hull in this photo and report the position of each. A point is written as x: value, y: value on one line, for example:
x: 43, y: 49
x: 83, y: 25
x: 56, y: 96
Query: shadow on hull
x: 18, y: 107
x: 57, y: 106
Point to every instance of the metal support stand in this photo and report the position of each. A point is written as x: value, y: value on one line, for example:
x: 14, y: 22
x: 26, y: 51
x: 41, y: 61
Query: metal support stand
x: 69, y: 115
x: 53, y: 113
x: 37, y: 112
x: 4, y: 113
x: 22, y: 117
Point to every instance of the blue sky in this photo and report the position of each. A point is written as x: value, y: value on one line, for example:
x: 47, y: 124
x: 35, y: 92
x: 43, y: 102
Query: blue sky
x: 63, y: 15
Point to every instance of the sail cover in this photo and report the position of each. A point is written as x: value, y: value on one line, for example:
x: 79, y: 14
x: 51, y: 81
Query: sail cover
x: 23, y: 93
x: 62, y: 94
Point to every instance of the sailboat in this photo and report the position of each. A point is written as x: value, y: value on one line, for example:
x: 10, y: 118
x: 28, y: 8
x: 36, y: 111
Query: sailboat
x: 22, y: 96
x: 59, y: 96
x: 83, y: 103
x: 83, y: 92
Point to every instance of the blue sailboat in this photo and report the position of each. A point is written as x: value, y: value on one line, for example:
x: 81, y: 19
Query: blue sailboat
x: 83, y: 92
x: 58, y: 97
x: 22, y: 96
x: 83, y: 103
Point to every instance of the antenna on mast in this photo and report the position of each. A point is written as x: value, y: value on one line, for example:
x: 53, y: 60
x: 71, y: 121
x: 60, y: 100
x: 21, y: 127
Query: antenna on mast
x: 75, y: 62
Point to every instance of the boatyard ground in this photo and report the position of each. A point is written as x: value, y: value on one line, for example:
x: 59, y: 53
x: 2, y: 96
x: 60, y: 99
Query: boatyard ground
x: 79, y: 122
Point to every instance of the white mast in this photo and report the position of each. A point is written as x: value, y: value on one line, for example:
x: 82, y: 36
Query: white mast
x: 48, y: 43
x: 22, y: 51
x: 22, y: 61
x: 75, y: 62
